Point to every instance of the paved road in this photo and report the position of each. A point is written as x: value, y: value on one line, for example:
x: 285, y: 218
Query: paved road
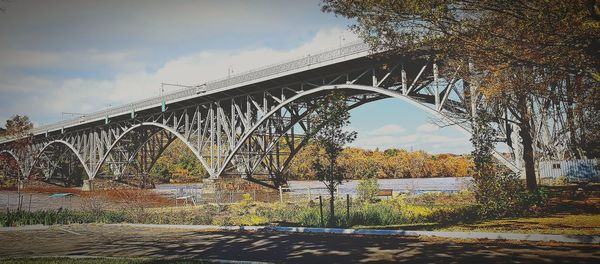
x: 99, y: 240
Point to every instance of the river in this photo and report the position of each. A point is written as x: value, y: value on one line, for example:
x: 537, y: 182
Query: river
x: 417, y: 185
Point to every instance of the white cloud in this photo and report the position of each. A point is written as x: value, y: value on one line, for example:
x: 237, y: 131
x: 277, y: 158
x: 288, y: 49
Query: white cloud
x: 391, y: 129
x: 51, y: 96
x: 424, y: 137
x: 428, y: 127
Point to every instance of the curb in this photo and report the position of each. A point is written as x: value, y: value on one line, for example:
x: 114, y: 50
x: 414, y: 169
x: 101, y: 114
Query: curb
x: 580, y: 239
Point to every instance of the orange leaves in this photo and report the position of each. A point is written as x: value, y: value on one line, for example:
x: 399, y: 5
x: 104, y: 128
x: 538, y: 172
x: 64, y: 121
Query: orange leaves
x: 389, y: 164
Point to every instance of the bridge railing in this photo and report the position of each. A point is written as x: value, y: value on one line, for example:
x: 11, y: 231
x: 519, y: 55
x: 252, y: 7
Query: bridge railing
x: 251, y: 75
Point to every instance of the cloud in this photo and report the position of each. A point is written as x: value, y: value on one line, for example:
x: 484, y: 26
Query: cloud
x: 424, y: 137
x: 157, y: 25
x: 387, y: 130
x: 90, y: 59
x: 43, y: 98
x: 428, y: 127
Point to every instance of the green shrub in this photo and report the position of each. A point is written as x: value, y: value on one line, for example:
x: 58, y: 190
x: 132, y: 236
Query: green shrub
x: 497, y: 193
x: 534, y: 202
x: 51, y: 217
x: 367, y: 190
x: 402, y: 209
x: 456, y: 215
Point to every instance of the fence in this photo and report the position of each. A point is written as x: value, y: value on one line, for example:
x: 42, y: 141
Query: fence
x: 12, y: 200
x: 195, y: 195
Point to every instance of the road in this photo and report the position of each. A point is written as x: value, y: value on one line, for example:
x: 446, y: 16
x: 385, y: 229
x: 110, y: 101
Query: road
x: 123, y: 241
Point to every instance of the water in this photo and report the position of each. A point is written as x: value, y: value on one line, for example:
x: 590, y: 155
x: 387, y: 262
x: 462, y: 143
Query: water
x: 418, y: 185
x: 168, y: 188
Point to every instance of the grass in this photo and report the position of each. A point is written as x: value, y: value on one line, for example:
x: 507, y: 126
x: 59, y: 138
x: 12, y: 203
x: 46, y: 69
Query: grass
x: 92, y: 260
x: 586, y: 224
x: 52, y: 217
x: 445, y: 212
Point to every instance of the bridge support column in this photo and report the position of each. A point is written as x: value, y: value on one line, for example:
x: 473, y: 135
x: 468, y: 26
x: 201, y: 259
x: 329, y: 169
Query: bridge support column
x: 209, y: 185
x: 88, y: 185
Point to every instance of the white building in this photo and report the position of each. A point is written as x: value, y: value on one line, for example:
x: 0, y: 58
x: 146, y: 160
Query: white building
x: 572, y: 170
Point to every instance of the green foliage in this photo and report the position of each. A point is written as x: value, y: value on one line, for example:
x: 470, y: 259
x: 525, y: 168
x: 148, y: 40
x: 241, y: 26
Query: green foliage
x: 367, y: 190
x: 51, y: 217
x: 534, y: 201
x: 177, y: 164
x: 518, y: 54
x: 246, y: 200
x: 497, y: 193
x: 332, y: 116
x: 430, y: 208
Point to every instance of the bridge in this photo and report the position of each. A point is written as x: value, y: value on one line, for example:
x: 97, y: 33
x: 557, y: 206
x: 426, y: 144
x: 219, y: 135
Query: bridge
x: 251, y: 124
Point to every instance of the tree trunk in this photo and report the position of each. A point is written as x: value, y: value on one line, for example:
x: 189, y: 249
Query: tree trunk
x: 571, y: 119
x: 331, y: 206
x: 525, y: 134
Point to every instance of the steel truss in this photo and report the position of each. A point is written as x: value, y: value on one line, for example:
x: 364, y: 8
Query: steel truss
x: 258, y: 131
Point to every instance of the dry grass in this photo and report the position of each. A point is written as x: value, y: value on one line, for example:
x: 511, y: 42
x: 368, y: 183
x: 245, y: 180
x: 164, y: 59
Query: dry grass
x: 143, y: 198
x: 51, y: 189
x: 565, y: 217
x: 555, y: 224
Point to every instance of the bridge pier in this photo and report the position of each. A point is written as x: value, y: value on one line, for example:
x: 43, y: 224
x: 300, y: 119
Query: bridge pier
x: 209, y: 185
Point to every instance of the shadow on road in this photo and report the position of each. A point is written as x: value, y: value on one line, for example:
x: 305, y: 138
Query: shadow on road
x: 91, y: 240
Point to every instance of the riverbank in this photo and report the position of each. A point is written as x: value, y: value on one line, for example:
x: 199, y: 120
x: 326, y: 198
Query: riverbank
x: 431, y: 212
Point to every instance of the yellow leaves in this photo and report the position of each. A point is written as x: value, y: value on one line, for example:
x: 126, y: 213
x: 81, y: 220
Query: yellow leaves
x: 596, y: 76
x: 392, y: 163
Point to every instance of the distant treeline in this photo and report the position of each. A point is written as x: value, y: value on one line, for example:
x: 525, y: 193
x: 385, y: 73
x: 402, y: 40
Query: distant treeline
x: 178, y: 164
x: 388, y: 164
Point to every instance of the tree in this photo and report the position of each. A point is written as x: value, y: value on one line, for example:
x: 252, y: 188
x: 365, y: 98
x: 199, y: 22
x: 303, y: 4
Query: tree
x: 177, y: 164
x: 544, y: 44
x: 333, y: 116
x: 19, y: 127
x: 498, y: 193
x: 367, y: 190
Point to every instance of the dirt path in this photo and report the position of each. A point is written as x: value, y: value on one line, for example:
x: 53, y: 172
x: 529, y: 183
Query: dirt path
x: 99, y: 240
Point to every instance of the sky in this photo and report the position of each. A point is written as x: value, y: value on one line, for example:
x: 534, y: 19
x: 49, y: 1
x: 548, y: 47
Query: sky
x: 82, y: 56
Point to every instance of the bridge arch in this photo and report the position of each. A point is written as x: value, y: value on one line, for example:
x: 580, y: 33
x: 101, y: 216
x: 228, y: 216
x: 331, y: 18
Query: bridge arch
x: 65, y: 143
x: 15, y: 158
x: 372, y: 89
x: 146, y: 124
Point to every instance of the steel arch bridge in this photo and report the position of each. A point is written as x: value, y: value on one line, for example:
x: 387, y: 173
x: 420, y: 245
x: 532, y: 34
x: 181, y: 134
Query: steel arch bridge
x: 254, y: 123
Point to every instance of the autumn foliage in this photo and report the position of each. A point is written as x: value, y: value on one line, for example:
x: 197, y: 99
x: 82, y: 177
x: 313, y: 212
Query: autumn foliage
x: 388, y: 164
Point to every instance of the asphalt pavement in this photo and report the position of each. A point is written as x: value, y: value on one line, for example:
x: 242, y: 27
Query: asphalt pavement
x: 161, y: 243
